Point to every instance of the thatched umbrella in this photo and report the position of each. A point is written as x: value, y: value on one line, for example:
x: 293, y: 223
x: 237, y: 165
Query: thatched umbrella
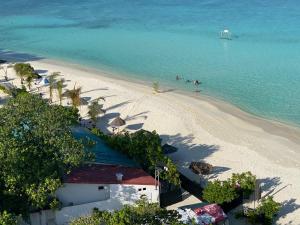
x: 117, y: 122
x: 201, y: 168
x: 168, y: 149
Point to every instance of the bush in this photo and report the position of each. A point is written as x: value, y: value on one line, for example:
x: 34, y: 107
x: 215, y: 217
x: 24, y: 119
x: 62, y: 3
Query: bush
x: 142, y: 213
x: 7, y: 218
x: 264, y: 213
x: 144, y: 147
x: 269, y: 209
x: 219, y: 192
x: 245, y: 181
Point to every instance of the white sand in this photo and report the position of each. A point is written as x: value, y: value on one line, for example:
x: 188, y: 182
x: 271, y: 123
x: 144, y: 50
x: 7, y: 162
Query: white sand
x: 202, y: 129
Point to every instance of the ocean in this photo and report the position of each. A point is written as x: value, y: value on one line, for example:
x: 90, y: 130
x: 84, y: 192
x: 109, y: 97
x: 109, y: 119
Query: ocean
x: 155, y: 40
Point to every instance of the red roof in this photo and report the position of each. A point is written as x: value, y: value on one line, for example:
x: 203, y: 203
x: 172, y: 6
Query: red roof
x: 213, y: 210
x: 106, y: 174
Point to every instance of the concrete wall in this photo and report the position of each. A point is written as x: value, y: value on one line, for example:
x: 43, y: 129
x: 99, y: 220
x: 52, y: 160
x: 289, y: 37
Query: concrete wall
x: 119, y: 196
x: 76, y: 194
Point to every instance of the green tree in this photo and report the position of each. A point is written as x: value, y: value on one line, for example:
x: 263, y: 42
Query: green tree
x: 74, y: 95
x: 246, y: 181
x: 219, y: 192
x: 7, y: 218
x: 142, y: 213
x: 144, y: 147
x: 52, y: 84
x: 268, y: 208
x: 23, y: 70
x: 36, y: 149
x: 95, y: 109
x: 59, y: 86
x: 29, y: 80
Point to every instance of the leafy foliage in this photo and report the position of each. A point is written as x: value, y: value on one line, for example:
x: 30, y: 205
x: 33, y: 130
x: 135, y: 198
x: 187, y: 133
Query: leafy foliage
x: 25, y: 70
x: 7, y: 218
x: 219, y: 192
x: 59, y: 87
x: 246, y: 181
x: 74, y: 95
x: 52, y: 84
x: 145, y: 148
x: 226, y: 191
x: 265, y: 212
x: 142, y: 213
x: 94, y: 110
x: 4, y: 89
x: 36, y: 149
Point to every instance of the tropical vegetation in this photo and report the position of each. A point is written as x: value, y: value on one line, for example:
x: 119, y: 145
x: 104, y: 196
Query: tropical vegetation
x: 226, y: 191
x: 219, y: 192
x: 142, y: 213
x: 25, y: 70
x: 59, y: 87
x: 36, y: 149
x: 95, y: 109
x: 264, y: 213
x: 74, y: 95
x: 52, y: 84
x: 145, y: 148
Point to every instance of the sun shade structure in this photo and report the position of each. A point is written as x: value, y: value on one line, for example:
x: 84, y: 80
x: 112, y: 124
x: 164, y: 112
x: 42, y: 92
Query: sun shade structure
x: 2, y: 61
x: 201, y: 168
x: 43, y: 81
x: 118, y: 122
x: 168, y: 149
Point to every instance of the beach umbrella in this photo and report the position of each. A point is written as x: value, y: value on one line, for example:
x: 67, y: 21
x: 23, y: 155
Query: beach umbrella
x: 118, y: 122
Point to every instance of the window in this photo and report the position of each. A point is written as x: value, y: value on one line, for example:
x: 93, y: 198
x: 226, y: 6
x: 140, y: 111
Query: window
x: 144, y: 189
x: 140, y: 189
x: 101, y: 188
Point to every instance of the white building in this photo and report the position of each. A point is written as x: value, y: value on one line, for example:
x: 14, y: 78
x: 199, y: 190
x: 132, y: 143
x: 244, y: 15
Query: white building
x: 106, y: 187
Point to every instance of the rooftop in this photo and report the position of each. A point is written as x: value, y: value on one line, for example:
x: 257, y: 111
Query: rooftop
x: 106, y: 174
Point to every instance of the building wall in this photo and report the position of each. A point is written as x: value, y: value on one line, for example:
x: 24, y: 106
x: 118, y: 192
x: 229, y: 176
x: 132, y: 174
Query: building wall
x: 76, y: 194
x: 119, y: 196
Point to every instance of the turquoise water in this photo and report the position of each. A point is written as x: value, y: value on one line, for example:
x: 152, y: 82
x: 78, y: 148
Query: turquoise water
x: 259, y: 70
x: 103, y: 153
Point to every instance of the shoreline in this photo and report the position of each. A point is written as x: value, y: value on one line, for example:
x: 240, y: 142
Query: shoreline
x: 281, y: 128
x: 202, y: 128
x: 221, y: 103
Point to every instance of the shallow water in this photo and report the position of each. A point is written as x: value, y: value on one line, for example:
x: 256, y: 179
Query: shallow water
x: 259, y: 70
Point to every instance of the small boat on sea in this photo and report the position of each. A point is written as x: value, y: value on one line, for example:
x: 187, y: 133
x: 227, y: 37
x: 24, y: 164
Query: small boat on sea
x: 225, y: 34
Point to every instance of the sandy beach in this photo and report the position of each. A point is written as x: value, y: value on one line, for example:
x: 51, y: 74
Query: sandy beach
x: 201, y: 127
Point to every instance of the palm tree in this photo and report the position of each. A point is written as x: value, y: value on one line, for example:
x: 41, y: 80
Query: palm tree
x: 52, y: 83
x: 59, y: 86
x: 23, y: 70
x: 74, y: 95
x: 29, y: 81
x: 95, y: 109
